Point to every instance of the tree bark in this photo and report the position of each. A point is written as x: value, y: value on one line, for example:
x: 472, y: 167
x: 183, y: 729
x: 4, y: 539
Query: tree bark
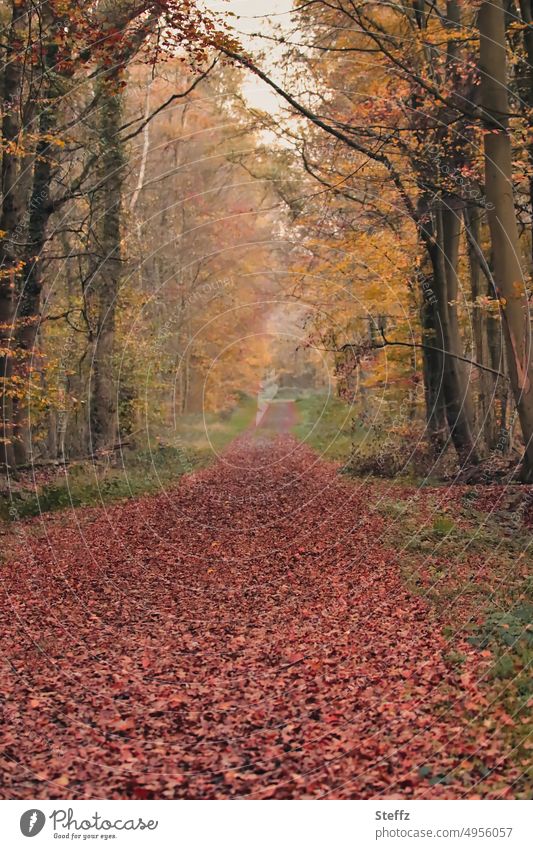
x: 10, y: 225
x: 454, y: 384
x: 29, y: 305
x: 106, y: 279
x: 445, y: 378
x: 508, y: 274
x: 526, y: 88
x: 7, y: 287
x: 492, y: 391
x: 432, y: 360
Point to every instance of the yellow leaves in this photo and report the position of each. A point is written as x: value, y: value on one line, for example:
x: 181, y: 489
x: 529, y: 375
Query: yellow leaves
x: 51, y: 139
x: 11, y: 272
x: 488, y: 304
x: 25, y: 144
x: 517, y: 26
x: 14, y: 148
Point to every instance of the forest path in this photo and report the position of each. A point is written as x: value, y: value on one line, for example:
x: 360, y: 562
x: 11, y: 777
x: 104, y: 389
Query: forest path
x: 244, y: 634
x: 278, y: 416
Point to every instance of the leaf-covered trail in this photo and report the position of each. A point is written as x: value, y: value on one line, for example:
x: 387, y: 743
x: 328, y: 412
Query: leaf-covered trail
x: 246, y: 634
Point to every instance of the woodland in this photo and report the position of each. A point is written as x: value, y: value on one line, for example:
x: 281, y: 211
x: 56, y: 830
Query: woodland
x: 266, y: 364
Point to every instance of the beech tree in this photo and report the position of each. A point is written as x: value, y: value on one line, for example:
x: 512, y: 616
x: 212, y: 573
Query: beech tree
x: 506, y: 251
x: 69, y: 79
x: 415, y: 167
x: 428, y: 143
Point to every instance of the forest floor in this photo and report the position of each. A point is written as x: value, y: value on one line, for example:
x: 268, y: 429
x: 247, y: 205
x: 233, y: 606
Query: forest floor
x: 266, y: 628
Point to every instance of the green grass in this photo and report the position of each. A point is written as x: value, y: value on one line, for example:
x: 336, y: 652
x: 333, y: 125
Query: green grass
x: 326, y: 425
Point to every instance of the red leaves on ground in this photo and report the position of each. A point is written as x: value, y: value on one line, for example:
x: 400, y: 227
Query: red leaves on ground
x: 245, y: 634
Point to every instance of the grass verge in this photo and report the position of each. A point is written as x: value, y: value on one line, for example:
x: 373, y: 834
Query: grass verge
x: 325, y: 423
x: 129, y: 474
x: 476, y: 573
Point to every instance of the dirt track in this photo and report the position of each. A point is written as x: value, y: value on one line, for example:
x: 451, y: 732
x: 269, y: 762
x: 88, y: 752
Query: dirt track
x: 245, y: 634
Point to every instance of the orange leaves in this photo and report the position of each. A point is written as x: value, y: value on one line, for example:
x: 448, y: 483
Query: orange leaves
x: 121, y: 725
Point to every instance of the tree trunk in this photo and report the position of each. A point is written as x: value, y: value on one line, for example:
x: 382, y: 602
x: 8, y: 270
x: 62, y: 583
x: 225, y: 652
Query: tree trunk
x: 105, y: 283
x: 456, y: 375
x: 32, y: 280
x: 526, y: 88
x: 432, y: 360
x: 436, y: 424
x: 439, y: 234
x: 10, y: 224
x: 487, y: 345
x: 508, y: 273
x: 7, y: 286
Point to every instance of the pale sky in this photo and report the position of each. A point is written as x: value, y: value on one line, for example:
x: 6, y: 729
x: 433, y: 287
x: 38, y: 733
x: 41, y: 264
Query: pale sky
x: 254, y: 16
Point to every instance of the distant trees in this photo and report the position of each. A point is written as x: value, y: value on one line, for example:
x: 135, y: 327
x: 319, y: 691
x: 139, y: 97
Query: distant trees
x: 408, y: 191
x: 414, y: 119
x: 63, y: 167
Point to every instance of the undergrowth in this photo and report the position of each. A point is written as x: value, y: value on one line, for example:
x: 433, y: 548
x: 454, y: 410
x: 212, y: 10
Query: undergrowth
x: 126, y: 474
x: 477, y: 575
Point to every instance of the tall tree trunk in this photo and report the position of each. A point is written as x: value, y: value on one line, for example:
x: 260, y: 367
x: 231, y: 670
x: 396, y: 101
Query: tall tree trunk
x: 107, y: 276
x: 11, y: 216
x: 442, y: 243
x: 454, y: 387
x: 446, y: 377
x: 105, y: 283
x: 440, y: 330
x: 508, y: 273
x: 526, y: 88
x: 432, y: 359
x: 436, y: 424
x: 40, y: 210
x: 7, y: 287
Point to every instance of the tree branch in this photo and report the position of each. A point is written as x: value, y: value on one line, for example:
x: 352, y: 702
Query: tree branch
x: 164, y: 105
x: 393, y: 343
x: 333, y: 131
